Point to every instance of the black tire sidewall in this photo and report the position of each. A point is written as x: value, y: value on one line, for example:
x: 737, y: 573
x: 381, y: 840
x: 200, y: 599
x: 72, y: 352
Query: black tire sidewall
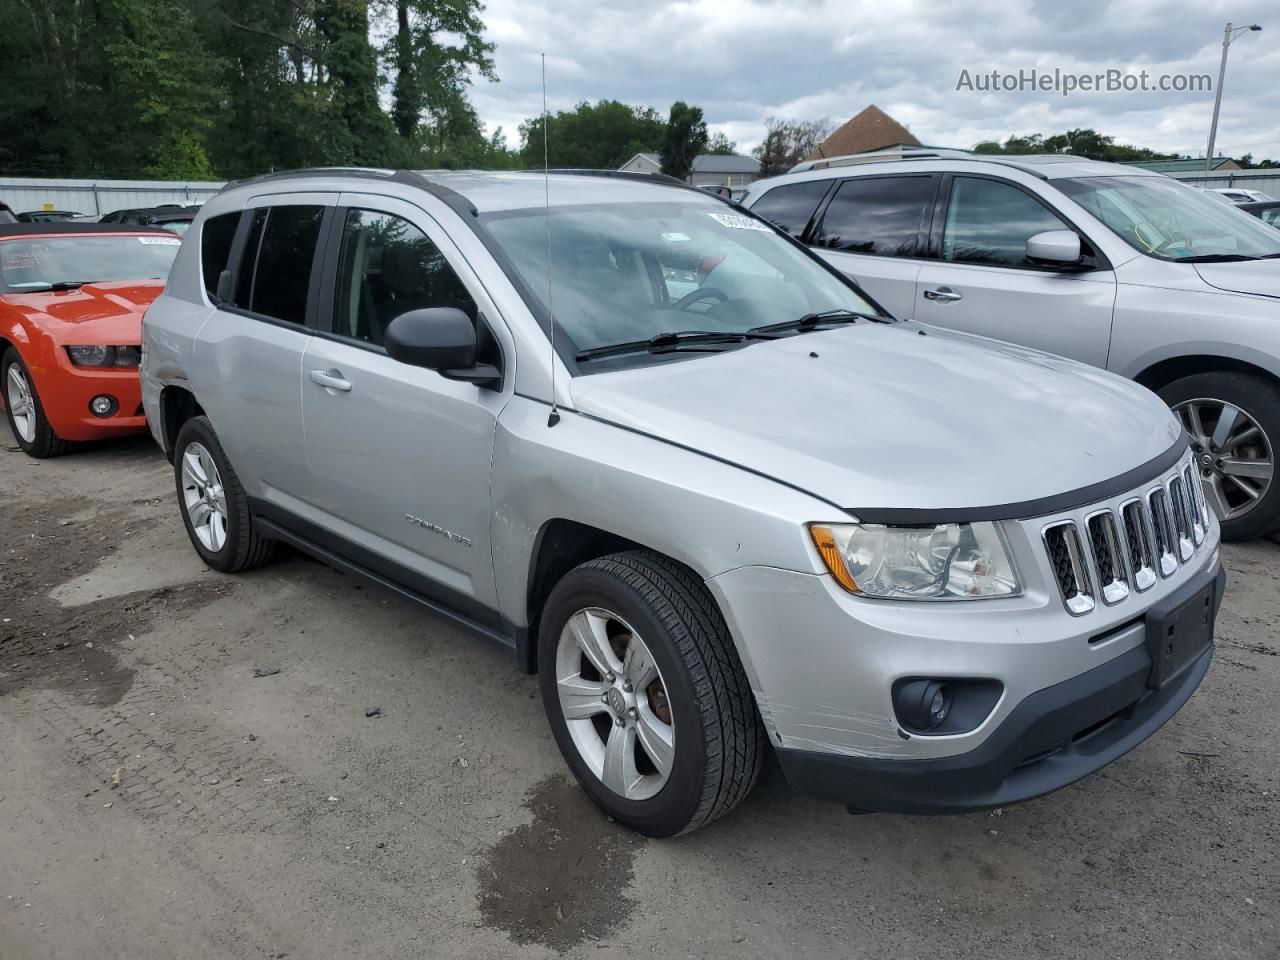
x: 45, y: 441
x: 674, y: 806
x: 199, y: 430
x: 1260, y: 400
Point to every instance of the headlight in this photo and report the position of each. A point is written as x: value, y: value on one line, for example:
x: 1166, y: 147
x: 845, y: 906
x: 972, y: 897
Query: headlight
x: 946, y: 561
x: 99, y: 356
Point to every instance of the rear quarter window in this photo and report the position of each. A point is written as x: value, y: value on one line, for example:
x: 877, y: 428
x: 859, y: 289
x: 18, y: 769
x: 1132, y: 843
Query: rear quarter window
x: 790, y: 206
x: 215, y: 248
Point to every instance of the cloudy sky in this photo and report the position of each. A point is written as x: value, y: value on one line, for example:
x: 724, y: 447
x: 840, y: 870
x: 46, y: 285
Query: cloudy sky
x: 745, y: 61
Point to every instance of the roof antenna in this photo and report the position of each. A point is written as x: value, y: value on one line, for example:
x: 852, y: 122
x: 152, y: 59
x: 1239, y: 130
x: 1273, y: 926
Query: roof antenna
x: 554, y: 416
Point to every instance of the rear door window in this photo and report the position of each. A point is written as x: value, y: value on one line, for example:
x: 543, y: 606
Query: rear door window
x: 884, y: 216
x: 791, y: 206
x: 276, y: 270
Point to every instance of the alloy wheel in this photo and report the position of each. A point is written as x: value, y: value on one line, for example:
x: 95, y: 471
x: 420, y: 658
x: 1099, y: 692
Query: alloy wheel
x: 1234, y: 455
x: 615, y: 703
x: 203, y: 497
x: 22, y: 405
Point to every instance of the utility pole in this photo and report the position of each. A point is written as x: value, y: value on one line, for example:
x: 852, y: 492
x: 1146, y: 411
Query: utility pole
x: 1228, y: 35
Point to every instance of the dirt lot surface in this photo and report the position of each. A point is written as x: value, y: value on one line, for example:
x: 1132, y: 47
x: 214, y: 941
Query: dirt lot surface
x: 159, y: 800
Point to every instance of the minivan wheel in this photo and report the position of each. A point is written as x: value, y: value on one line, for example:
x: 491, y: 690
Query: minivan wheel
x: 214, y: 507
x: 1233, y: 420
x: 645, y: 693
x: 30, y: 426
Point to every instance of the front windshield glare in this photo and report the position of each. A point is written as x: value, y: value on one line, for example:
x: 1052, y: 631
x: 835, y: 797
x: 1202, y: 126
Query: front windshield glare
x: 1166, y: 219
x: 35, y: 263
x: 631, y: 271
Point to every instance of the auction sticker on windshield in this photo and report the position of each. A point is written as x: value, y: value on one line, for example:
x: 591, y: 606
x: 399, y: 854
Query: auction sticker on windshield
x: 739, y: 222
x: 164, y: 241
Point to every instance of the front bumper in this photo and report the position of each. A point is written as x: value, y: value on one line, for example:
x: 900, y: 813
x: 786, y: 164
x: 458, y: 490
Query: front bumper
x: 66, y: 391
x: 1050, y: 739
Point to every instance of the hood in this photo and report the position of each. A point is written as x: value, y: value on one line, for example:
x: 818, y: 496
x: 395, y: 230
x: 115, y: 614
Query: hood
x: 885, y: 418
x: 109, y: 312
x: 1259, y: 277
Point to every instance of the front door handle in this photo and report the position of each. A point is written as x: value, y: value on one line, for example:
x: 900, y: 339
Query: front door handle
x: 942, y: 295
x: 331, y: 380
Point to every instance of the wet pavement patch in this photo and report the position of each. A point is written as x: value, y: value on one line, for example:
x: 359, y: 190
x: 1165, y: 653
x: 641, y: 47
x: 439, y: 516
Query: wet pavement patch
x: 561, y: 879
x: 46, y: 645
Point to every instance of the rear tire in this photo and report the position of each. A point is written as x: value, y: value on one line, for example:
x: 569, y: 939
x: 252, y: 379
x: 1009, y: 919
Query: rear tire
x: 715, y: 736
x: 215, y: 509
x: 34, y: 434
x: 1201, y: 398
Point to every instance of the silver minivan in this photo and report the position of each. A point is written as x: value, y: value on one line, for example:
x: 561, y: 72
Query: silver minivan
x: 713, y: 494
x: 1112, y: 265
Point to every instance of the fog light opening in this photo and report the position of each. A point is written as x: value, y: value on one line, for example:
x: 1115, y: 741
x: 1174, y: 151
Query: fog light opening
x: 923, y: 704
x: 103, y: 406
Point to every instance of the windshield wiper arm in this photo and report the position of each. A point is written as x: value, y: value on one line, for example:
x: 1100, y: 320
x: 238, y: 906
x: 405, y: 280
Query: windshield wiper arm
x: 811, y: 321
x: 1217, y: 258
x: 663, y: 343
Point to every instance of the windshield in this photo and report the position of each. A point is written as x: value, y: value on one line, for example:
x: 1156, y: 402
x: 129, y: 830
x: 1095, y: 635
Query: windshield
x: 37, y: 263
x: 1166, y: 219
x: 179, y: 227
x: 631, y: 271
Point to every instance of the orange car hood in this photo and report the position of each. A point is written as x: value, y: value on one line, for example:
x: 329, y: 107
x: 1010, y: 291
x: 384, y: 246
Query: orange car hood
x: 108, y: 313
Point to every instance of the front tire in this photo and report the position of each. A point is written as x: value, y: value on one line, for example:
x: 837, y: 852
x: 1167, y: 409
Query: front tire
x: 645, y: 694
x: 215, y: 509
x: 25, y: 413
x: 1233, y: 420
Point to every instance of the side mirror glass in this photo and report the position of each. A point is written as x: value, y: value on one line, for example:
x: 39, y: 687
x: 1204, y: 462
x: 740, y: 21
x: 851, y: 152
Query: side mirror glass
x: 1054, y: 248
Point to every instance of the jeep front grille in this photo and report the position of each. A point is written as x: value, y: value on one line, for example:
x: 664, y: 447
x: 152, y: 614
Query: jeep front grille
x: 1114, y: 552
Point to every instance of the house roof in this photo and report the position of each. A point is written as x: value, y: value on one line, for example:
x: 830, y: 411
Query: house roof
x: 872, y: 129
x: 725, y: 163
x: 1185, y: 166
x: 651, y: 157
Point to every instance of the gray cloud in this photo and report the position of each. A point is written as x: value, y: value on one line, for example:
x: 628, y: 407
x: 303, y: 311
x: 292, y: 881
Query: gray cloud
x: 743, y: 62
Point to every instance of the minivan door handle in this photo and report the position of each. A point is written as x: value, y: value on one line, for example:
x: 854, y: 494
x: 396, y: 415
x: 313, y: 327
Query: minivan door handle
x: 943, y: 295
x: 331, y: 380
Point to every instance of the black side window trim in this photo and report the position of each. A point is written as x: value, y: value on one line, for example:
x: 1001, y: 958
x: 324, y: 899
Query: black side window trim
x: 943, y: 204
x: 923, y: 229
x: 308, y: 326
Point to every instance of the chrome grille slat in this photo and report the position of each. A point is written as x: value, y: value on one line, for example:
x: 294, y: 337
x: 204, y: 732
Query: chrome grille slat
x: 1162, y: 532
x: 1108, y: 560
x: 1062, y: 540
x: 1181, y: 518
x: 1133, y: 516
x: 1195, y: 500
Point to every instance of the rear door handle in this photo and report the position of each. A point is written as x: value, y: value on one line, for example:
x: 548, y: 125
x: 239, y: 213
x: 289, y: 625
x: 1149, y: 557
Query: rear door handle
x: 943, y: 295
x: 331, y: 380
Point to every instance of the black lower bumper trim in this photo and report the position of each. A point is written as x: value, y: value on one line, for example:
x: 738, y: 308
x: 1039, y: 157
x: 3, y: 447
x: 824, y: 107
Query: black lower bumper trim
x: 1049, y: 740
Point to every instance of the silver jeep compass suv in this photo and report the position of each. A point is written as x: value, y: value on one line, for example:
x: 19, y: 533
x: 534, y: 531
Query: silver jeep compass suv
x: 714, y: 495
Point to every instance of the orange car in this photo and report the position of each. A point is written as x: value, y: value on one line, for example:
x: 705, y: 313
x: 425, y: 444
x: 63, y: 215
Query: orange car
x: 72, y: 297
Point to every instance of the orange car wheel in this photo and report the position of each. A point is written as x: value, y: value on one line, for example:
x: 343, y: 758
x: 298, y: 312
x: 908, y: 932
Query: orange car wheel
x: 22, y: 406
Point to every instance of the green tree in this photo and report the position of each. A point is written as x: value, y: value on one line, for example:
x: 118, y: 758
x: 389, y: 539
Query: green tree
x: 1083, y: 142
x: 721, y: 145
x: 602, y: 135
x: 686, y: 136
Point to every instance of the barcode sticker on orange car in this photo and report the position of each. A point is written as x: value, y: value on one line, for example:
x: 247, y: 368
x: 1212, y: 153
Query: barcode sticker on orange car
x: 739, y: 222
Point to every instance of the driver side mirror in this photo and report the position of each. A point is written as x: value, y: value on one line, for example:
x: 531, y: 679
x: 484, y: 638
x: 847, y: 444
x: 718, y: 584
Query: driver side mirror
x: 1055, y: 248
x: 441, y: 339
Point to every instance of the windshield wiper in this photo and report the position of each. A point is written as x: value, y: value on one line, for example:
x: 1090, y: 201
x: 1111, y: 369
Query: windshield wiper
x: 1217, y: 258
x: 664, y: 343
x: 811, y: 321
x: 62, y: 285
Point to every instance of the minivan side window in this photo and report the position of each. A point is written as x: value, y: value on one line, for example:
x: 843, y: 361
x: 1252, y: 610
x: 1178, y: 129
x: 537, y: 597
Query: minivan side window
x: 791, y: 206
x: 215, y: 248
x: 276, y: 267
x: 386, y: 267
x: 990, y: 222
x: 878, y: 215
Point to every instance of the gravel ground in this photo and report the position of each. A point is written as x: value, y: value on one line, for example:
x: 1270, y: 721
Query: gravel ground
x: 157, y: 799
